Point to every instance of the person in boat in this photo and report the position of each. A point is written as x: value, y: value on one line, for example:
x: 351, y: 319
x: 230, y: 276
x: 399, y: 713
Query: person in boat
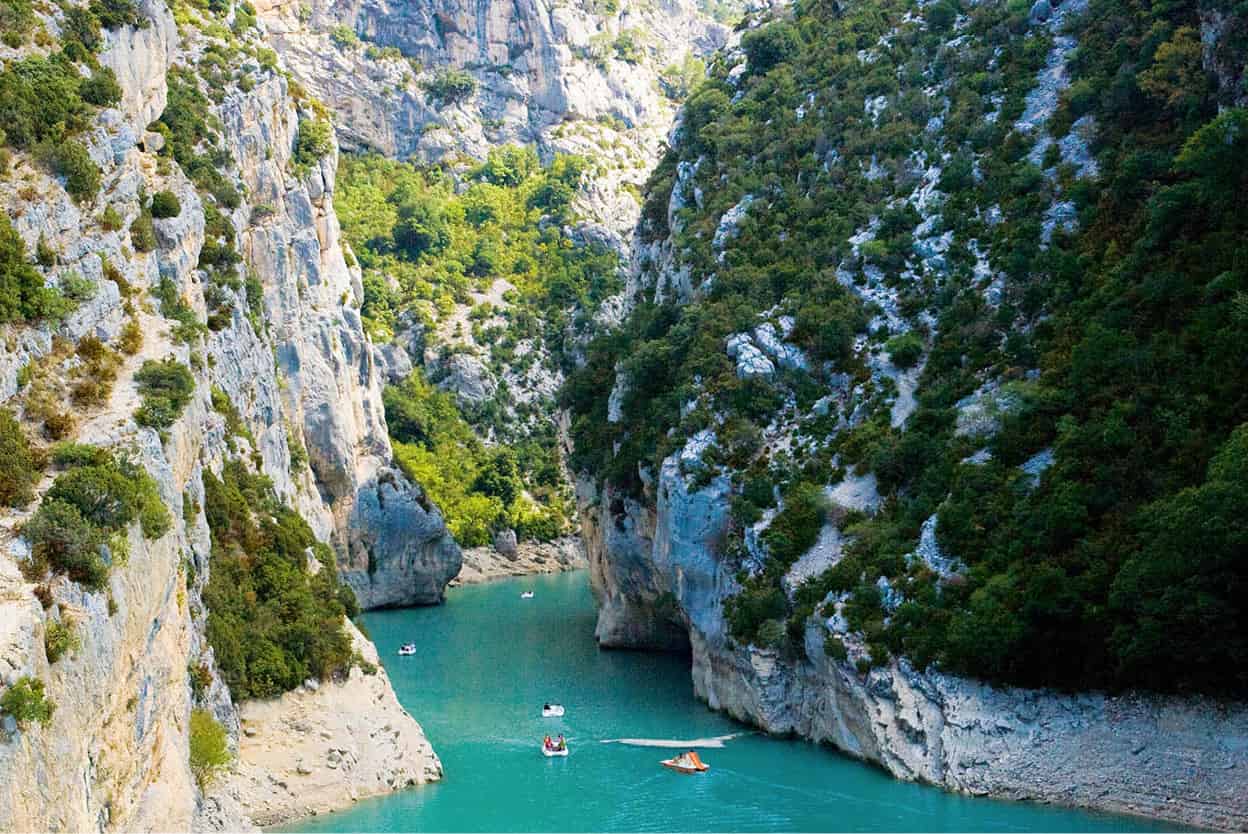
x: 545, y: 706
x: 561, y: 744
x: 548, y: 744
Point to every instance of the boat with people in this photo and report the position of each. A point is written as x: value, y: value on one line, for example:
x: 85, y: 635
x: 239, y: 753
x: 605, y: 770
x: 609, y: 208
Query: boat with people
x: 552, y: 710
x: 526, y: 595
x: 407, y: 649
x: 688, y: 762
x: 554, y: 747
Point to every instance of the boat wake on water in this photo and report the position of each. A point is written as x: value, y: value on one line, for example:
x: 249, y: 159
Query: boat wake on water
x: 706, y: 743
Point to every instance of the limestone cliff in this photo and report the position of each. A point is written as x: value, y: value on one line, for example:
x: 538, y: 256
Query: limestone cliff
x: 576, y: 77
x: 284, y: 378
x: 741, y: 411
x: 661, y: 579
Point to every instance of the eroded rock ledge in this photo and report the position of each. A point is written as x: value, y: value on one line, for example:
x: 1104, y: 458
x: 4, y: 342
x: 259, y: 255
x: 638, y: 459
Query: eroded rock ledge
x: 657, y: 579
x: 325, y: 746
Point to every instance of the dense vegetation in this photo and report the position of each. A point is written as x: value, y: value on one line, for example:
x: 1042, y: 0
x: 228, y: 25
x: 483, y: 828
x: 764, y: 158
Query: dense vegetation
x: 26, y: 702
x: 166, y: 387
x: 1120, y: 344
x: 19, y: 464
x: 272, y: 623
x: 426, y: 238
x: 80, y: 528
x: 209, y: 747
x: 46, y: 100
x: 479, y: 489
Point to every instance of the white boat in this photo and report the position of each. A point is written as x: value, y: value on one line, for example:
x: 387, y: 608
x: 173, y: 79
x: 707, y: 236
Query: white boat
x: 407, y: 650
x: 551, y: 752
x: 527, y: 595
x: 552, y: 711
x: 687, y: 763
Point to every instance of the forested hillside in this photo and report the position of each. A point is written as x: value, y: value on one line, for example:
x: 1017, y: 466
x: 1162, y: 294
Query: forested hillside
x: 998, y: 253
x: 477, y: 272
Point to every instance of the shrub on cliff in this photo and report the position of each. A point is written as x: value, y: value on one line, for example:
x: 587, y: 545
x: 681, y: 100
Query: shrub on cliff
x: 165, y: 204
x: 61, y: 539
x: 143, y: 233
x: 23, y: 295
x: 60, y: 638
x: 19, y: 471
x: 166, y: 387
x: 272, y: 624
x: 113, y: 14
x: 39, y: 101
x: 314, y: 140
x: 796, y: 527
x: 26, y: 702
x: 905, y: 350
x: 209, y: 748
x: 69, y: 158
x: 101, y: 89
x: 87, y: 506
x: 450, y: 86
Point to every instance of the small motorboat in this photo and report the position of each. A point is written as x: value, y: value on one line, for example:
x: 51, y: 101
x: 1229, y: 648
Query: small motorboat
x: 552, y: 711
x: 527, y: 595
x: 687, y: 763
x: 552, y: 750
x: 407, y: 650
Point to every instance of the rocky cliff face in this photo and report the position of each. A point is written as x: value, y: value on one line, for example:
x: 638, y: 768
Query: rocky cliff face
x: 572, y: 77
x: 661, y: 580
x: 299, y: 375
x: 761, y: 413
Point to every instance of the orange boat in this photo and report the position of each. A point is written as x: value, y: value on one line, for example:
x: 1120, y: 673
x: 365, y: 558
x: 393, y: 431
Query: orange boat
x: 687, y: 763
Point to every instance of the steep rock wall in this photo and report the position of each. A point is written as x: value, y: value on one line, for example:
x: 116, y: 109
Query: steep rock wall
x: 1179, y: 759
x: 114, y: 755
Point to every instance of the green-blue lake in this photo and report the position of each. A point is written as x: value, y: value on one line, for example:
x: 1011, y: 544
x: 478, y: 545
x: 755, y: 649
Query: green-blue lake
x: 488, y: 660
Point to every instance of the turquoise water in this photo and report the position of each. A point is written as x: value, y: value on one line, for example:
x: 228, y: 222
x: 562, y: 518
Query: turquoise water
x: 487, y: 662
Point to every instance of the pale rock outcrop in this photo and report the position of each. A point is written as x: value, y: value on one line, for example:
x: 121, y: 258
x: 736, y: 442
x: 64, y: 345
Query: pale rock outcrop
x: 324, y: 746
x: 468, y: 378
x: 545, y: 75
x: 483, y: 564
x: 115, y: 754
x: 1179, y: 759
x: 393, y: 546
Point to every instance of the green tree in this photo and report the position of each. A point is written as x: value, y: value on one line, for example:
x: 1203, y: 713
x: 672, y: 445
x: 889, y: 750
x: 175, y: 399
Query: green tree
x: 26, y: 702
x: 209, y: 749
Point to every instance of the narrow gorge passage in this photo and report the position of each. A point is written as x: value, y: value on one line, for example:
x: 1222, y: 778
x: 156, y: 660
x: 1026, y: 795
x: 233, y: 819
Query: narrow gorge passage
x: 488, y: 659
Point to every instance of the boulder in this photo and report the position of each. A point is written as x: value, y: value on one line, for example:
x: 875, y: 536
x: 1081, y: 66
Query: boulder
x: 468, y: 379
x: 505, y: 543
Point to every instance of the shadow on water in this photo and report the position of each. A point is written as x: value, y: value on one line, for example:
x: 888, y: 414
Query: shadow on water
x: 488, y: 660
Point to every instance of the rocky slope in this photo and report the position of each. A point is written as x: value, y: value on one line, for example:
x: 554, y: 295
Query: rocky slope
x: 290, y: 387
x: 554, y: 74
x: 845, y: 305
x: 661, y: 583
x: 324, y: 746
x: 507, y: 558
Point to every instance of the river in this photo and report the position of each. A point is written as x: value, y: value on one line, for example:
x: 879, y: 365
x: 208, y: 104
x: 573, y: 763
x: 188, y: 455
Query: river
x: 488, y: 660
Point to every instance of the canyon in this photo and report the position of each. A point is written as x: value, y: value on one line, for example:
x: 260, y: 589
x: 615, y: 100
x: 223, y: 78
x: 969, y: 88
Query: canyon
x: 251, y: 287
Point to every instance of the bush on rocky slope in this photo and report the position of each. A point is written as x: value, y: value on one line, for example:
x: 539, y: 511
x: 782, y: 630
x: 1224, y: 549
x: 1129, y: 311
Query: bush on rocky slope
x: 209, y: 747
x: 166, y: 387
x: 23, y: 294
x: 19, y: 465
x: 424, y: 244
x: 86, y: 512
x: 26, y: 702
x: 1096, y: 284
x: 272, y: 622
